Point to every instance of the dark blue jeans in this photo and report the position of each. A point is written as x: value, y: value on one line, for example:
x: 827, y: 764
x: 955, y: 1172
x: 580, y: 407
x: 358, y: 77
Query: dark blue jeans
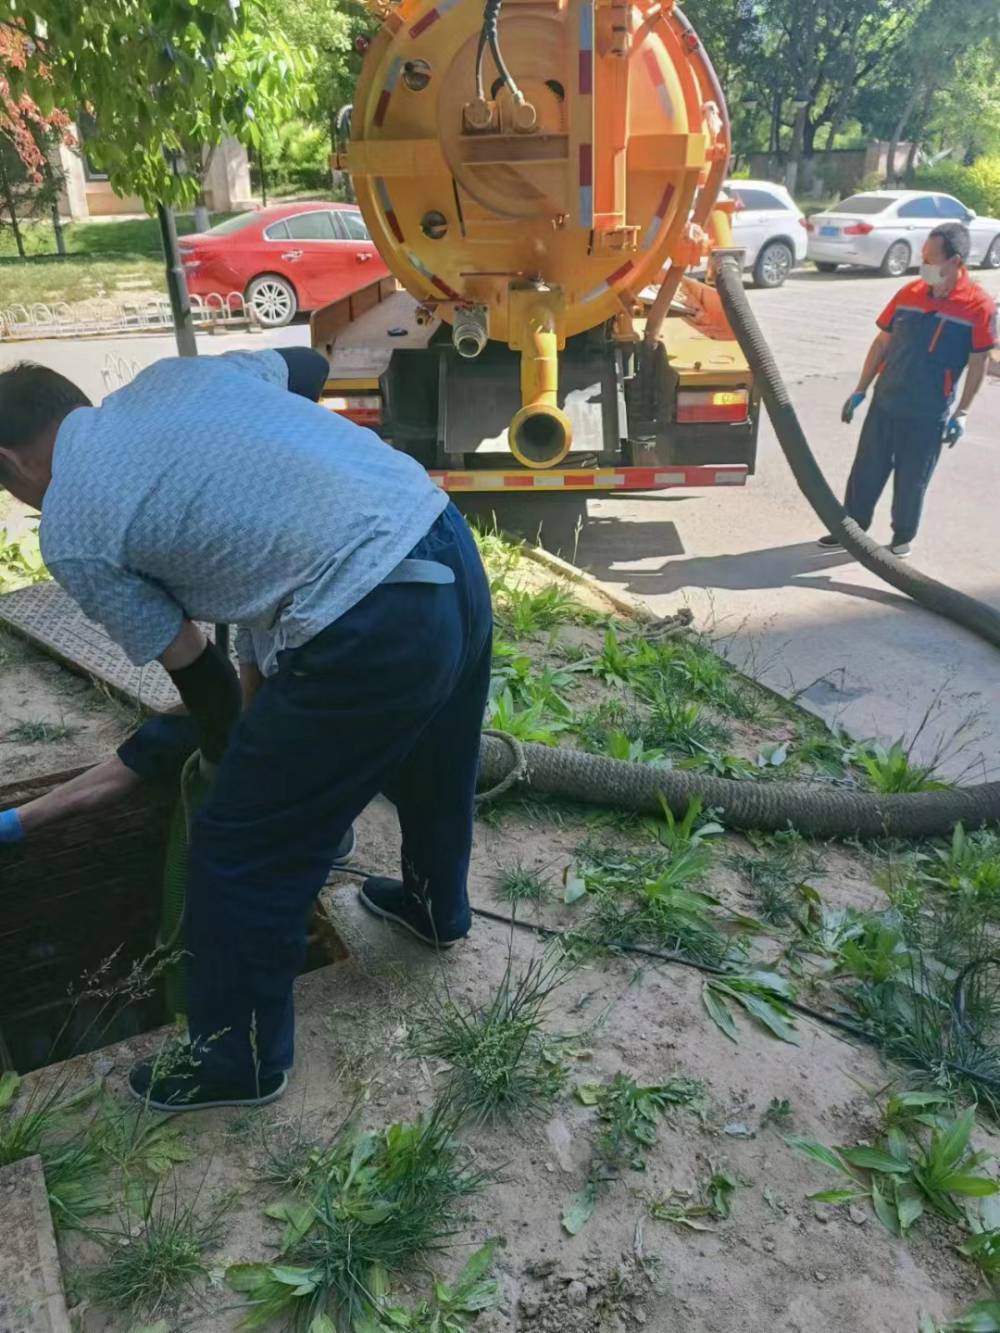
x: 389, y: 698
x: 902, y: 447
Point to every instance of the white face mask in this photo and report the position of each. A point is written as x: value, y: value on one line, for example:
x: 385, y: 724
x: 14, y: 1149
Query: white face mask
x: 932, y: 274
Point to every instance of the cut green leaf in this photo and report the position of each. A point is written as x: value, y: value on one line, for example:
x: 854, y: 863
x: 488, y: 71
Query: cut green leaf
x: 580, y: 1209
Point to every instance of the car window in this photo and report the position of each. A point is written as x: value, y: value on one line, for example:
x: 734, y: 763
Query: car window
x: 277, y: 231
x: 951, y: 208
x: 760, y: 199
x: 316, y: 226
x: 924, y: 207
x: 863, y: 203
x: 354, y: 226
x: 232, y: 224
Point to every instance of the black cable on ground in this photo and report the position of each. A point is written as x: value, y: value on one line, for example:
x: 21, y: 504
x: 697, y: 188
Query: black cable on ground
x: 665, y: 956
x: 844, y: 1025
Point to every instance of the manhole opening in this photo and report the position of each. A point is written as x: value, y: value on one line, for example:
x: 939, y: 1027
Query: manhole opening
x: 82, y: 898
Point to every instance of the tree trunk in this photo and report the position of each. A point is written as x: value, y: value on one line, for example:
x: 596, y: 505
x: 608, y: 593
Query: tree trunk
x: 774, y: 144
x: 202, y: 217
x: 8, y: 198
x: 57, y: 230
x: 899, y: 131
x: 798, y: 145
x: 911, y: 157
x: 57, y: 227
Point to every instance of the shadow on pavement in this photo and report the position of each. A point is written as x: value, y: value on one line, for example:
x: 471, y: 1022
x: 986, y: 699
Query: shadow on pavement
x: 606, y: 547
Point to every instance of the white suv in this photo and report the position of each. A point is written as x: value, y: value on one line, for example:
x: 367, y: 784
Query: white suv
x: 771, y: 227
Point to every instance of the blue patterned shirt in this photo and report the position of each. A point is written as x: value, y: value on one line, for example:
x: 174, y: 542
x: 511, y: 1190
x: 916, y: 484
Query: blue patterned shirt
x: 205, y: 490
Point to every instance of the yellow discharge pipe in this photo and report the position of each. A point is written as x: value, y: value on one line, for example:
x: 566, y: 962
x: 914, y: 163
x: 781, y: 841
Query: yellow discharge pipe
x: 540, y: 434
x: 720, y: 228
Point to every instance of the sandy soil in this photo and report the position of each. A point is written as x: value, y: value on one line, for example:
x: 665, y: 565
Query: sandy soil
x: 51, y: 719
x: 779, y: 1264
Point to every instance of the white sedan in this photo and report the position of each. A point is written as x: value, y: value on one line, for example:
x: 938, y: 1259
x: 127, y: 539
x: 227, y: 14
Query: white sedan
x: 886, y: 230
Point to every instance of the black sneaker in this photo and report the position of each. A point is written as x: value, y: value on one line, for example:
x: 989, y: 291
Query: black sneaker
x: 830, y: 543
x: 193, y: 1091
x: 345, y: 848
x: 388, y: 899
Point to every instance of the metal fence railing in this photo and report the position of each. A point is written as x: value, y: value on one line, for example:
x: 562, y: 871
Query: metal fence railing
x: 104, y: 317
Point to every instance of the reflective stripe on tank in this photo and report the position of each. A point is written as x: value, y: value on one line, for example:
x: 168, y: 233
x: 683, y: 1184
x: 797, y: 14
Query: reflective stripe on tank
x: 661, y: 212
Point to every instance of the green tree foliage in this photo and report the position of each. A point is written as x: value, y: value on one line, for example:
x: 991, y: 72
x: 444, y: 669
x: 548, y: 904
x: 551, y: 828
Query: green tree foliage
x: 159, y: 77
x: 330, y: 31
x: 798, y: 73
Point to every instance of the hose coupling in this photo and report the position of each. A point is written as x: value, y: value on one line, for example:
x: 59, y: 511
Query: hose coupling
x: 719, y: 254
x: 469, y: 331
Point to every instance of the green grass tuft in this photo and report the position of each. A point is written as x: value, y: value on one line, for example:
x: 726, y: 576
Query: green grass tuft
x: 368, y: 1205
x: 37, y: 731
x: 156, y: 1257
x: 517, y: 884
x: 501, y: 1063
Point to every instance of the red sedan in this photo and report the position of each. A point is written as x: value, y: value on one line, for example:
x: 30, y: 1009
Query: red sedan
x: 285, y: 259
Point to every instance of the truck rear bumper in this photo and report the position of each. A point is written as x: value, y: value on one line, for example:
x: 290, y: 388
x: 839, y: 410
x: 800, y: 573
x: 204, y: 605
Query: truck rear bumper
x: 591, y: 480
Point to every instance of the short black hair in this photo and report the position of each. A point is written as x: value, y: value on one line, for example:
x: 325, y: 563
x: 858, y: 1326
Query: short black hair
x: 33, y: 398
x: 955, y: 238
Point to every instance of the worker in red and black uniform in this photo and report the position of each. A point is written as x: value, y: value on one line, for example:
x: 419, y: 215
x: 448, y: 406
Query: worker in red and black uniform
x: 930, y: 332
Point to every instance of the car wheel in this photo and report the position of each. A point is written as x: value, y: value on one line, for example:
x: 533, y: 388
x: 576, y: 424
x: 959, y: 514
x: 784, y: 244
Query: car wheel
x: 774, y: 263
x: 897, y: 260
x: 825, y: 266
x: 272, y: 300
x: 992, y: 257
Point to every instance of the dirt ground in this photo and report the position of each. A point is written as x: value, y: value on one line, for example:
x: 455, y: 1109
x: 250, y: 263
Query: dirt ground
x: 778, y: 1264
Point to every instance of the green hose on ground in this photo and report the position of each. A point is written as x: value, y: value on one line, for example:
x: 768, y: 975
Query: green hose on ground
x: 194, y: 787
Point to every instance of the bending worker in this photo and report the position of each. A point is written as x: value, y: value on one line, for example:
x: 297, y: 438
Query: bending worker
x: 930, y: 332
x: 204, y: 490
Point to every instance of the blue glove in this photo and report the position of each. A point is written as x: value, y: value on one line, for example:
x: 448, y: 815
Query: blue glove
x: 955, y: 430
x: 10, y: 827
x: 851, y: 406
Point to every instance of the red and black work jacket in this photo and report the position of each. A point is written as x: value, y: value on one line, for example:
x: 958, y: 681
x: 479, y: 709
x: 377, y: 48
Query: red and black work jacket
x: 932, y: 341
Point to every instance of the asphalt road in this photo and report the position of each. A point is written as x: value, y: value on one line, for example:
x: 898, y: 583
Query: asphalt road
x: 804, y: 621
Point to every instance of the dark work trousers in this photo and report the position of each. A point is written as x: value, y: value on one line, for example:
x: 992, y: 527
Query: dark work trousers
x: 389, y: 698
x: 905, y: 448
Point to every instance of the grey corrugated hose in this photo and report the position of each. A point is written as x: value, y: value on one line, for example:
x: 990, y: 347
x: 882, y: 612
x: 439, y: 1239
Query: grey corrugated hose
x: 816, y: 808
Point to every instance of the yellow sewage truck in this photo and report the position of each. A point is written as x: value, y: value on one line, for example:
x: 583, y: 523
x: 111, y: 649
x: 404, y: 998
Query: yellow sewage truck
x: 538, y: 179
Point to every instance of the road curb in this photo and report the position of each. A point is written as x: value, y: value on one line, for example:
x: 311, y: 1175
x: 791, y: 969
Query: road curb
x: 622, y: 601
x: 31, y: 1291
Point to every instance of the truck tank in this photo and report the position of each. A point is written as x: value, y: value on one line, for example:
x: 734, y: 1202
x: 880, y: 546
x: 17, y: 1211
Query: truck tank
x: 527, y: 173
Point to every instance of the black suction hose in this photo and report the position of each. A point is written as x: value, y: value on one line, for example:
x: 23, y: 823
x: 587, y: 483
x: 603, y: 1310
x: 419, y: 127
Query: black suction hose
x: 966, y: 611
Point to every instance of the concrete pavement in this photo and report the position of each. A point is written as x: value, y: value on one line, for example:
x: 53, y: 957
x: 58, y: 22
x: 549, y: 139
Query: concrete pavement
x: 816, y: 623
x: 806, y: 622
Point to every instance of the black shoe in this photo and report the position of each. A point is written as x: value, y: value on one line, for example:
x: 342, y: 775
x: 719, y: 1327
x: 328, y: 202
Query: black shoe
x: 345, y: 848
x: 191, y: 1091
x: 901, y: 550
x: 388, y: 899
x: 830, y: 543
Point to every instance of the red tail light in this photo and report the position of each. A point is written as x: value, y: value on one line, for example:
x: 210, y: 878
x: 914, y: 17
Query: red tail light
x: 858, y: 229
x: 364, y: 409
x: 726, y: 405
x: 809, y: 226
